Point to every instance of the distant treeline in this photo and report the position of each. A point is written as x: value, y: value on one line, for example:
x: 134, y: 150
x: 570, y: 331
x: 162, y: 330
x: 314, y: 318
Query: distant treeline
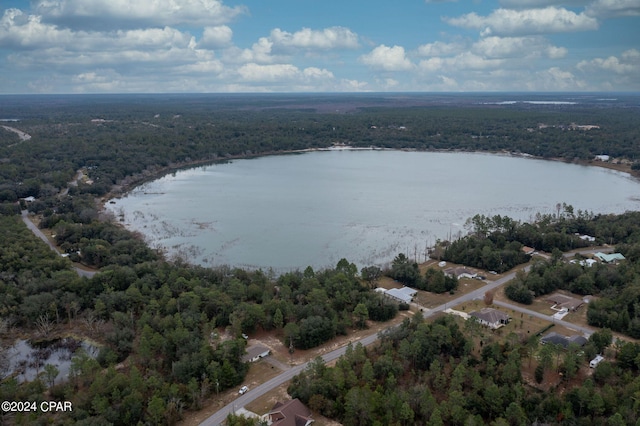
x: 118, y: 138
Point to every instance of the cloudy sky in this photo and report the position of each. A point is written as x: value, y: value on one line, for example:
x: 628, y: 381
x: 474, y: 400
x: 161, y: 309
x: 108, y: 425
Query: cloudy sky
x: 131, y: 46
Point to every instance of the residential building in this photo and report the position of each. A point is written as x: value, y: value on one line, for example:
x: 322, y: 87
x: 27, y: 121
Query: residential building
x: 609, y: 257
x: 255, y: 353
x: 564, y: 341
x: 460, y: 272
x: 290, y: 413
x: 492, y: 318
x: 404, y: 294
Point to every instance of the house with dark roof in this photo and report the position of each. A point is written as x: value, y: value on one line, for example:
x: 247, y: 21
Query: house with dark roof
x: 564, y: 341
x: 290, y: 413
x: 492, y: 318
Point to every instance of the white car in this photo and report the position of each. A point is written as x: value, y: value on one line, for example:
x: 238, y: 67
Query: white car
x: 243, y: 390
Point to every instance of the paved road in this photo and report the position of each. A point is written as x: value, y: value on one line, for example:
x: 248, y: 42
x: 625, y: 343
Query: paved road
x: 257, y: 392
x: 27, y: 221
x: 262, y: 389
x: 269, y: 385
x: 586, y: 331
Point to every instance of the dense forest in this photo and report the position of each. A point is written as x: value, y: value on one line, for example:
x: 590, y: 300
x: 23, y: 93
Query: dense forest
x: 116, y: 138
x: 158, y: 321
x: 160, y: 318
x: 425, y: 373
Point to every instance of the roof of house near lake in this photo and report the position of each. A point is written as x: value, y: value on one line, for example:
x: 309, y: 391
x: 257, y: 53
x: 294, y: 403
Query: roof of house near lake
x: 290, y: 413
x: 490, y: 317
x: 528, y: 250
x: 254, y: 353
x: 460, y: 272
x: 586, y: 237
x: 585, y: 262
x: 609, y: 257
x: 404, y: 294
x: 561, y: 301
x: 564, y: 341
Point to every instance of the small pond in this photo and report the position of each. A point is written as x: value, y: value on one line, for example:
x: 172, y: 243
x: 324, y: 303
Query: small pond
x: 27, y: 359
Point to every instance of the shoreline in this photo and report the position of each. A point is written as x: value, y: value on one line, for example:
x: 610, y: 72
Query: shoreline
x: 129, y: 183
x: 123, y: 189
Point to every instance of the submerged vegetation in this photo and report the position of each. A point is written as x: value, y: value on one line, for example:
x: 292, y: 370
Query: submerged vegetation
x: 171, y: 333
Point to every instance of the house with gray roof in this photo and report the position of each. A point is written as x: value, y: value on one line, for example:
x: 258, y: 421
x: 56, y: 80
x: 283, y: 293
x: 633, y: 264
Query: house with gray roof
x: 564, y: 341
x: 404, y: 294
x: 492, y: 318
x: 255, y: 353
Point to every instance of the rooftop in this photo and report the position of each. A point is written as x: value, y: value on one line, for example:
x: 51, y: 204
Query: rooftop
x: 290, y: 413
x: 490, y: 315
x: 564, y: 341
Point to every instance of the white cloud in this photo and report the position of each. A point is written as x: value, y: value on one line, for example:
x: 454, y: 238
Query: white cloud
x: 348, y: 85
x: 317, y: 73
x: 201, y: 67
x: 555, y: 79
x: 439, y: 48
x: 526, y: 22
x: 387, y: 58
x: 463, y: 61
x: 103, y: 80
x: 517, y: 47
x: 283, y: 73
x: 306, y: 38
x: 611, y: 8
x: 215, y: 37
x: 259, y: 52
x: 628, y: 64
x: 17, y: 29
x: 83, y: 13
x: 27, y: 31
x: 279, y: 44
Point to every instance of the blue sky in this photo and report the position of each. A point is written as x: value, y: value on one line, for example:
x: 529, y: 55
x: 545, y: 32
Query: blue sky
x: 144, y: 46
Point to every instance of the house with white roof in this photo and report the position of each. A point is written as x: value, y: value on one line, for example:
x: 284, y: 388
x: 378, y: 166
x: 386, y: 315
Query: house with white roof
x: 403, y: 295
x: 609, y: 257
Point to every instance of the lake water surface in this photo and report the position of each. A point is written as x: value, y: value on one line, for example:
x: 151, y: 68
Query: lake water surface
x: 289, y: 211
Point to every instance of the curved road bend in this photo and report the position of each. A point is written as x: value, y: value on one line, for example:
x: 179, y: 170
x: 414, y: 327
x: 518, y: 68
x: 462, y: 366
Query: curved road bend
x: 38, y: 233
x: 257, y: 392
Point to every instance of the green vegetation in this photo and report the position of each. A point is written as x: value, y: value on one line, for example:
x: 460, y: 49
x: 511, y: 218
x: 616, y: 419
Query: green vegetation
x: 618, y: 288
x: 406, y: 272
x: 158, y: 318
x: 159, y: 322
x: 425, y: 374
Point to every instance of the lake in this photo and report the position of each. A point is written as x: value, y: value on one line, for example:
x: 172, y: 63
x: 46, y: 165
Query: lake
x: 289, y: 211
